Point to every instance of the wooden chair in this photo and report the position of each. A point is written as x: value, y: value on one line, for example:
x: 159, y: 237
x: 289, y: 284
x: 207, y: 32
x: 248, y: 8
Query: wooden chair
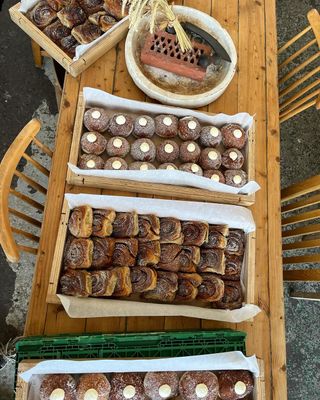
x: 302, y: 227
x: 11, y: 236
x: 299, y: 67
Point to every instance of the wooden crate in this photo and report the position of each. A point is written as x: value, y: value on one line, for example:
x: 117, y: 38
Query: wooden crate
x: 166, y: 190
x: 73, y: 67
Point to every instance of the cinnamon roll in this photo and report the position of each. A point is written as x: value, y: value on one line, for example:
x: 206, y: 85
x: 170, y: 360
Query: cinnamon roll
x: 102, y: 222
x: 42, y: 14
x: 62, y: 385
x: 211, y: 288
x: 149, y: 227
x: 123, y: 286
x: 179, y: 258
x: 217, y: 237
x: 232, y: 297
x: 103, y: 249
x: 235, y: 242
x: 91, y: 6
x: 195, y: 233
x: 86, y: 32
x: 148, y: 253
x: 125, y: 252
x: 93, y: 386
x: 233, y: 268
x: 72, y: 15
x: 80, y: 222
x: 212, y: 260
x: 235, y: 384
x: 199, y: 385
x: 56, y: 5
x: 103, y: 283
x: 143, y: 279
x: 95, y: 18
x: 126, y: 224
x: 170, y: 230
x: 76, y: 283
x: 78, y: 254
x: 56, y: 31
x: 125, y: 386
x: 188, y: 286
x: 106, y: 22
x: 161, y: 385
x: 68, y: 44
x: 167, y: 285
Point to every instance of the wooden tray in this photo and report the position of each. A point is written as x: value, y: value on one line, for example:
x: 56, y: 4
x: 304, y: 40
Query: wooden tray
x: 166, y: 190
x: 73, y: 67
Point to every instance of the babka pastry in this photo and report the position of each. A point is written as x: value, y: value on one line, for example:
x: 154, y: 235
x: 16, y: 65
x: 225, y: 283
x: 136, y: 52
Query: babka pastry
x: 126, y: 224
x: 217, y: 237
x: 96, y: 120
x: 95, y: 17
x: 42, y: 14
x: 93, y: 143
x: 167, y: 151
x: 161, y: 385
x: 233, y: 136
x: 179, y: 258
x: 72, y: 15
x: 127, y: 386
x: 191, y: 167
x: 114, y: 8
x: 170, y: 230
x: 103, y: 249
x: 235, y: 384
x: 78, y: 254
x: 199, y: 385
x: 232, y: 297
x: 235, y: 177
x: 144, y: 127
x: 80, y: 222
x: 143, y: 279
x: 123, y: 286
x: 118, y: 147
x: 106, y: 22
x: 91, y: 161
x: 233, y: 268
x: 121, y: 125
x: 69, y: 44
x: 91, y: 6
x: 210, y: 136
x: 215, y: 175
x: 103, y: 283
x: 76, y: 283
x: 86, y: 32
x: 102, y: 222
x: 148, y: 252
x: 56, y: 31
x: 189, y: 152
x: 212, y: 260
x: 166, y: 126
x: 143, y: 150
x: 168, y: 166
x: 56, y: 5
x: 211, y: 288
x: 125, y: 252
x: 232, y: 159
x: 149, y: 227
x: 61, y: 386
x: 235, y: 242
x: 188, y: 286
x: 116, y: 164
x: 141, y: 166
x: 167, y: 285
x: 210, y: 158
x: 93, y: 387
x: 189, y: 128
x: 195, y: 233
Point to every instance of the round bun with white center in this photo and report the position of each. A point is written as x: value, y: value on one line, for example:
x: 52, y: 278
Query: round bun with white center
x: 96, y: 120
x: 189, y: 128
x: 166, y: 126
x: 58, y: 387
x: 121, y: 125
x: 232, y: 159
x: 235, y: 177
x: 93, y: 387
x: 191, y: 167
x: 118, y: 147
x: 127, y: 386
x: 90, y: 161
x: 93, y: 143
x: 189, y: 152
x: 233, y: 136
x: 215, y: 175
x: 167, y: 151
x: 168, y: 166
x: 199, y: 385
x: 143, y: 150
x: 141, y: 166
x: 161, y: 385
x: 235, y: 385
x: 116, y: 164
x: 210, y: 136
x: 210, y: 158
x: 144, y: 127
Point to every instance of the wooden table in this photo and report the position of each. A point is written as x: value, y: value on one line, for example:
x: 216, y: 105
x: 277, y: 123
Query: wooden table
x: 252, y: 25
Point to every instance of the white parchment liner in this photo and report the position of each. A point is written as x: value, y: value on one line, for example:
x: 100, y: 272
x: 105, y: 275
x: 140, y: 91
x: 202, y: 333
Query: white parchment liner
x: 96, y: 97
x: 234, y: 216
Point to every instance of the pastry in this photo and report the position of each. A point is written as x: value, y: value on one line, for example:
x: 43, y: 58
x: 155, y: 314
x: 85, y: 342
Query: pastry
x: 198, y: 385
x: 80, y: 222
x: 106, y: 22
x: 232, y: 296
x: 143, y: 150
x: 235, y: 384
x: 69, y: 44
x: 215, y: 175
x: 210, y: 136
x: 210, y: 158
x: 96, y: 120
x: 161, y: 385
x: 217, y: 237
x: 59, y: 385
x: 232, y: 159
x: 56, y: 31
x: 233, y: 268
x: 102, y: 222
x: 114, y: 8
x: 93, y: 386
x: 189, y: 152
x: 116, y: 164
x: 93, y: 143
x: 143, y: 279
x: 233, y: 136
x: 123, y: 286
x: 91, y: 6
x: 103, y: 249
x: 167, y: 151
x: 166, y: 126
x: 118, y: 146
x: 95, y: 17
x: 148, y: 252
x: 72, y: 15
x: 235, y: 242
x: 189, y: 128
x: 191, y: 167
x: 167, y: 285
x: 86, y: 33
x: 121, y: 125
x: 103, y: 283
x: 149, y: 227
x: 195, y: 233
x: 125, y: 252
x: 42, y: 14
x: 56, y: 5
x: 188, y: 286
x: 212, y: 260
x: 168, y: 166
x: 78, y: 254
x: 90, y: 161
x: 235, y: 177
x: 211, y: 288
x: 144, y: 127
x: 141, y: 166
x: 179, y: 258
x: 76, y: 283
x: 126, y: 224
x: 170, y: 230
x: 125, y: 386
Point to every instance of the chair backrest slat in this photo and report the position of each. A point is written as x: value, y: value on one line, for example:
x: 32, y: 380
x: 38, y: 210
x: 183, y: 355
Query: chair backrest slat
x: 36, y: 164
x: 301, y: 244
x: 31, y: 182
x: 301, y: 231
x: 305, y: 259
x: 298, y: 205
x: 302, y: 275
x: 299, y: 68
x: 294, y: 39
x: 297, y: 53
x: 299, y: 82
x: 24, y: 217
x: 26, y: 234
x: 43, y: 147
x: 302, y: 217
x: 35, y: 204
x: 28, y: 249
x: 300, y: 189
x: 299, y: 94
x: 298, y: 110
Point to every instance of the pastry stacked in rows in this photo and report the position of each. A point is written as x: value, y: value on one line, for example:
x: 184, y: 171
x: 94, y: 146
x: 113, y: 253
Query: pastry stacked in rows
x: 117, y: 254
x: 69, y: 23
x: 141, y: 142
x: 196, y: 385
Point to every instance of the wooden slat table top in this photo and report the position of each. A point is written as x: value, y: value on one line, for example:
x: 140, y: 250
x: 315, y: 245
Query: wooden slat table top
x: 252, y: 26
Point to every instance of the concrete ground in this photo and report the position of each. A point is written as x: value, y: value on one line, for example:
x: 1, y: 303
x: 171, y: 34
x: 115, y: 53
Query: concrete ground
x: 26, y: 91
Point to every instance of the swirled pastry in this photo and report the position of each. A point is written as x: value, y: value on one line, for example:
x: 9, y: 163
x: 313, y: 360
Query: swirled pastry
x: 59, y: 384
x: 125, y: 386
x: 170, y: 230
x: 188, y: 286
x: 106, y: 22
x: 80, y: 222
x: 69, y: 44
x: 93, y: 386
x: 42, y: 14
x: 125, y: 252
x: 126, y: 224
x: 95, y: 18
x: 103, y: 282
x: 211, y: 288
x: 161, y: 385
x: 91, y: 6
x: 199, y: 385
x: 56, y: 5
x: 123, y: 285
x: 179, y: 258
x: 78, y: 253
x: 72, y: 15
x: 195, y: 233
x: 235, y: 242
x: 86, y: 32
x: 217, y: 237
x: 76, y: 283
x: 143, y: 279
x: 102, y: 222
x: 212, y: 260
x: 232, y: 297
x: 234, y: 385
x: 233, y: 268
x: 167, y: 285
x: 56, y: 31
x: 149, y: 227
x: 103, y: 249
x: 148, y: 253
